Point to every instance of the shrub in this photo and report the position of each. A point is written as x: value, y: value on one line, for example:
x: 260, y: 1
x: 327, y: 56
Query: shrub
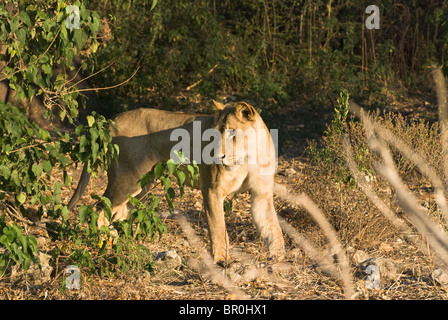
x: 36, y: 39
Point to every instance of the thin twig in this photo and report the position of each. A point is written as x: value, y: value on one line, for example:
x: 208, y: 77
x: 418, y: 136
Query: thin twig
x: 439, y: 81
x: 35, y: 60
x: 89, y: 76
x: 105, y: 88
x: 373, y: 128
x: 13, y: 212
x: 410, y: 235
x: 319, y: 217
x: 214, y: 271
x: 436, y: 237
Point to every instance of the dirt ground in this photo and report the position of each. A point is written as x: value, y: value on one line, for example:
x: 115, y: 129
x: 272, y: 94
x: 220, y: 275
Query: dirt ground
x: 411, y: 275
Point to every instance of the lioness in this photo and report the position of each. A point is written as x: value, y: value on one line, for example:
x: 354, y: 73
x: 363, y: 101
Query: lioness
x: 144, y: 137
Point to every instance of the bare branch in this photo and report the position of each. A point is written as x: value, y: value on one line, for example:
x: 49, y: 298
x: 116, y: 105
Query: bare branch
x: 214, y: 271
x: 433, y: 233
x: 439, y: 81
x: 319, y: 217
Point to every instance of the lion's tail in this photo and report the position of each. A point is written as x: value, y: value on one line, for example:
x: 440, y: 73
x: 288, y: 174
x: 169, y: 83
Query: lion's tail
x: 82, y: 185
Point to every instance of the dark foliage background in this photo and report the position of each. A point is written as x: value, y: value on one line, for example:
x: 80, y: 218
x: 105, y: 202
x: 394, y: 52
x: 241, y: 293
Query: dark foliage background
x: 269, y: 51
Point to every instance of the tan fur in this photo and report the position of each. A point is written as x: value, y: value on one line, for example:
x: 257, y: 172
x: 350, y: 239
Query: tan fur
x: 143, y: 137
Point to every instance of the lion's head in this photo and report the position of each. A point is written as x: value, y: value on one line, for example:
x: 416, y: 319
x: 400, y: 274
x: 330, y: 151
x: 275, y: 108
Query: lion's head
x: 244, y: 136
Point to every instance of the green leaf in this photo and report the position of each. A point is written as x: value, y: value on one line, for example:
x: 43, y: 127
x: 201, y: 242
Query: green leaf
x: 64, y: 32
x: 5, y: 171
x: 46, y: 165
x: 166, y: 182
x: 31, y: 72
x: 24, y: 240
x: 3, y: 11
x: 32, y: 243
x: 14, y: 24
x: 127, y: 228
x: 65, y: 213
x: 79, y: 129
x: 4, y: 240
x: 171, y: 166
x: 169, y: 195
x: 47, y: 69
x: 93, y: 221
x: 80, y: 37
x: 67, y: 179
x: 107, y: 202
x: 95, y: 148
x: 191, y: 170
x: 158, y: 170
x: 93, y: 134
x: 45, y: 135
x: 90, y: 120
x: 155, y: 202
x: 181, y: 177
x: 82, y: 143
x: 133, y: 201
x: 146, y: 178
x: 95, y: 24
x: 21, y: 197
x: 21, y: 37
x: 180, y: 156
x: 37, y: 169
x: 154, y: 3
x: 23, y: 16
x: 84, y: 211
x: 57, y: 192
x: 63, y: 160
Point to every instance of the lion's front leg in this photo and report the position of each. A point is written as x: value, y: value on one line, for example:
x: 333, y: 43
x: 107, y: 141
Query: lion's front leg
x: 213, y: 205
x: 266, y: 221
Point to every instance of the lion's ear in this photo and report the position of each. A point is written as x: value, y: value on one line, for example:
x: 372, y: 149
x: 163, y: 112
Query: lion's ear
x: 218, y: 105
x: 245, y: 112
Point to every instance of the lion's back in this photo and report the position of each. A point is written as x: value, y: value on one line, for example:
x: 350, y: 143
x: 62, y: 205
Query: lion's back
x: 147, y: 120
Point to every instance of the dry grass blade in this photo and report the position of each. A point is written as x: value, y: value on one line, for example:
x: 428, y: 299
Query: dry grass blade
x: 408, y: 233
x: 214, y: 271
x: 436, y: 237
x: 318, y: 216
x: 373, y: 128
x: 439, y: 81
x: 423, y: 166
x: 325, y: 263
x: 433, y: 233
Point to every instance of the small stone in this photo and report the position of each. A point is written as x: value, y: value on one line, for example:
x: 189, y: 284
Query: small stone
x: 359, y: 256
x: 171, y: 257
x: 37, y: 273
x: 387, y: 268
x: 198, y: 205
x: 440, y: 276
x: 386, y: 248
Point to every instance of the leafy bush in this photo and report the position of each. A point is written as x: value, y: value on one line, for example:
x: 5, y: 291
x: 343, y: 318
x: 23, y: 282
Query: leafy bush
x: 268, y: 51
x: 37, y: 40
x: 329, y: 154
x: 415, y: 132
x: 108, y: 251
x: 18, y: 248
